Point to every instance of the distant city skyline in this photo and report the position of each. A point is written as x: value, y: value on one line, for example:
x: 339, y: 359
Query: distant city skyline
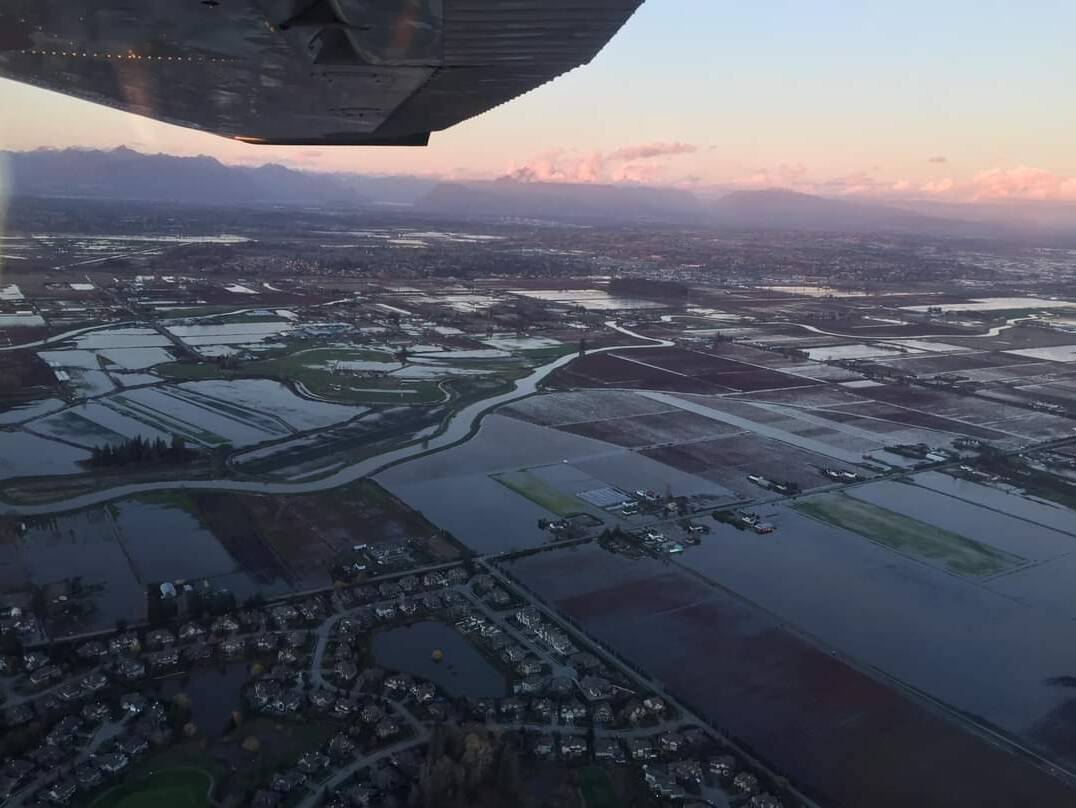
x: 958, y: 101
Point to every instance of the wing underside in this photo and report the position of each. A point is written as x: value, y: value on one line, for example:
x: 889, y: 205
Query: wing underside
x: 352, y: 72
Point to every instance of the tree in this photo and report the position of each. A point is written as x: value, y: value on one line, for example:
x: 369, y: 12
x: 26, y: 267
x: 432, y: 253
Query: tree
x: 477, y: 758
x: 38, y: 602
x: 508, y: 773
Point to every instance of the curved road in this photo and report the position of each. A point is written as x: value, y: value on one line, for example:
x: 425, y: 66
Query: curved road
x: 460, y: 426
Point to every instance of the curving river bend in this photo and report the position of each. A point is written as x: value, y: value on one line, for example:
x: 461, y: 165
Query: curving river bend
x: 459, y: 427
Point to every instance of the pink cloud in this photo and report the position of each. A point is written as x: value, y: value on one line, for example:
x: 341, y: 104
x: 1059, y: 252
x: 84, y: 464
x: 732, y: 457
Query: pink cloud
x: 641, y: 163
x: 938, y: 187
x: 1022, y: 182
x: 648, y: 151
x: 1019, y: 183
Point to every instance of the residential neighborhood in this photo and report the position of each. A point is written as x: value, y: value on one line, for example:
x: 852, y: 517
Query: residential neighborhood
x: 82, y: 718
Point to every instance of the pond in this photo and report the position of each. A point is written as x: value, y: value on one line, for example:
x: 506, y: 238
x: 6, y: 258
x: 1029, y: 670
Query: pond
x: 463, y: 670
x: 214, y: 692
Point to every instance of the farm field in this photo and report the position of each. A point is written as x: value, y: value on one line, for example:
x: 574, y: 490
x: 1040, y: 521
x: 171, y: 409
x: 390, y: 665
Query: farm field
x: 859, y: 743
x: 585, y: 406
x: 539, y: 492
x: 208, y: 413
x: 673, y: 370
x: 650, y: 430
x: 23, y: 454
x: 729, y: 460
x: 243, y: 543
x: 904, y: 534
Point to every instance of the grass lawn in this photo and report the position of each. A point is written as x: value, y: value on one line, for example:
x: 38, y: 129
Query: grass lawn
x: 538, y: 492
x: 956, y: 553
x: 597, y: 790
x: 175, y: 788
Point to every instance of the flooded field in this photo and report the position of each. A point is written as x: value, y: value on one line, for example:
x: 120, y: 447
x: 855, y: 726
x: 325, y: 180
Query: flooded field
x: 954, y: 552
x: 244, y: 544
x: 1003, y: 618
x: 241, y: 412
x: 845, y: 738
x: 166, y: 543
x: 26, y: 412
x: 23, y: 454
x: 596, y: 299
x: 446, y: 486
x: 462, y: 672
x: 988, y: 304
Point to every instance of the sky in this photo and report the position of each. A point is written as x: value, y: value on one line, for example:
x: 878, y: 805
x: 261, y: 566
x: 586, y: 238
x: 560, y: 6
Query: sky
x: 958, y: 100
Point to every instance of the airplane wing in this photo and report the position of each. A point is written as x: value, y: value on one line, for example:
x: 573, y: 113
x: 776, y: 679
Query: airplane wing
x: 303, y: 72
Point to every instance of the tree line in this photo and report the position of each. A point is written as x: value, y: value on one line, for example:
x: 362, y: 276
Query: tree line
x: 140, y: 450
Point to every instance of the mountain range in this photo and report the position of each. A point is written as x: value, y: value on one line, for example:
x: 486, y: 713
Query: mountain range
x: 125, y: 174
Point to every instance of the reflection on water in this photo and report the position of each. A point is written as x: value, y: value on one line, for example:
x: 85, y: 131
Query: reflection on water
x: 214, y: 692
x: 462, y: 672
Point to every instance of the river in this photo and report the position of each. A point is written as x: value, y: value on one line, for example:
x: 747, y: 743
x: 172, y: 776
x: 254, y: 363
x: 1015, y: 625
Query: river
x: 459, y: 427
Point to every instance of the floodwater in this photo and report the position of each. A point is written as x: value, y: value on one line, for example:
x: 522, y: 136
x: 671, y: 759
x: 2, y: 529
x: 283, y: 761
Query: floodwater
x: 24, y: 455
x: 455, y: 489
x: 1049, y: 514
x: 595, y: 299
x: 214, y: 694
x: 82, y: 545
x: 462, y: 672
x: 456, y: 430
x: 166, y: 543
x: 266, y: 396
x: 991, y: 526
x: 815, y: 291
x: 871, y: 604
x: 32, y: 409
x: 120, y: 550
x: 998, y: 304
x: 120, y: 337
x: 842, y: 735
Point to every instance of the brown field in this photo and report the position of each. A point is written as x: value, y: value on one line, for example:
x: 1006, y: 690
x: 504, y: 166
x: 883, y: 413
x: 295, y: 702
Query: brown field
x: 872, y: 424
x: 974, y: 411
x: 290, y: 536
x: 23, y: 376
x: 649, y: 430
x: 913, y: 418
x: 589, y: 405
x: 755, y: 356
x: 842, y: 736
x: 954, y: 363
x: 605, y: 370
x: 823, y: 395
x: 729, y: 460
x: 674, y: 370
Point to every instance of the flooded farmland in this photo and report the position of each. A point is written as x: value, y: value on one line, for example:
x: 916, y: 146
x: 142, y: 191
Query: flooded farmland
x: 846, y: 738
x: 446, y: 486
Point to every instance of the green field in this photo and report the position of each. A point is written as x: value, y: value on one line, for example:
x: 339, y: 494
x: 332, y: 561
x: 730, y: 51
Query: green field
x: 312, y: 368
x: 175, y: 788
x: 904, y: 534
x: 540, y: 493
